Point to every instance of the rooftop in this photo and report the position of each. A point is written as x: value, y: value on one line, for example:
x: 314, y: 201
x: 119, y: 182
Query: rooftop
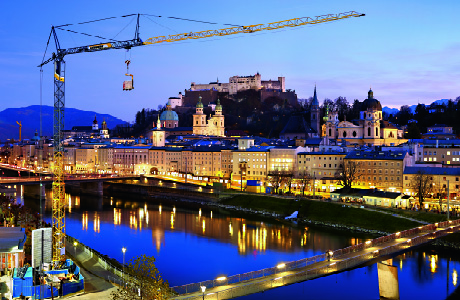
x: 12, y: 239
x: 377, y: 155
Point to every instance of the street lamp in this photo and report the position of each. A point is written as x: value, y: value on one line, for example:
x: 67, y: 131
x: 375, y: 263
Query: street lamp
x: 75, y: 249
x: 203, y: 289
x: 123, y: 250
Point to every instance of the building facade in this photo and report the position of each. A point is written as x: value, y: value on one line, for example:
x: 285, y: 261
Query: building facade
x: 213, y: 126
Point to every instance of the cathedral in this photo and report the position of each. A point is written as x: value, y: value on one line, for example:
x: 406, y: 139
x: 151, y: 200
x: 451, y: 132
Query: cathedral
x: 213, y: 126
x: 169, y: 117
x: 369, y: 129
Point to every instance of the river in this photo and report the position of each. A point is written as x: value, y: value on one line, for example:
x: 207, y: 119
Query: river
x: 193, y: 243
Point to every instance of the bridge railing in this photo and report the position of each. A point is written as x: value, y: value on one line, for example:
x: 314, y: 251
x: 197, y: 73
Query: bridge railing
x: 444, y: 229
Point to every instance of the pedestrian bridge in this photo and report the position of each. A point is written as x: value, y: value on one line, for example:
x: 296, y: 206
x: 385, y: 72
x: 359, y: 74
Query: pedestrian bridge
x: 314, y: 267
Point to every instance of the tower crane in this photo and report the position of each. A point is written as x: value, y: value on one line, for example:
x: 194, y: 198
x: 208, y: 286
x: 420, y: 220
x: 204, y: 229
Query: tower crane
x: 58, y: 215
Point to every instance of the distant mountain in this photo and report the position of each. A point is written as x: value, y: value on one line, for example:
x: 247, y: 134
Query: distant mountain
x: 393, y: 111
x: 390, y: 111
x: 30, y: 118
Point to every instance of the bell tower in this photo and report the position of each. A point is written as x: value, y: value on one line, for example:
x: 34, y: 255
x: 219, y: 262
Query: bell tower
x: 158, y: 135
x: 314, y: 114
x: 199, y: 119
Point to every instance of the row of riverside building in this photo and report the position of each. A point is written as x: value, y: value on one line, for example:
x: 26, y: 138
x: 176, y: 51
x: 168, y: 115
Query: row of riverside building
x: 388, y: 169
x: 387, y: 163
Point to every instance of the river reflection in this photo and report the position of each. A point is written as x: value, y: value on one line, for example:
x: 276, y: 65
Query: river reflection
x: 192, y: 243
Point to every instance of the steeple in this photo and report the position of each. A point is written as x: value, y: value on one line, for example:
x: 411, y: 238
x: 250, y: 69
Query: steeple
x: 199, y: 104
x: 315, y: 99
x: 370, y: 94
x: 218, y: 106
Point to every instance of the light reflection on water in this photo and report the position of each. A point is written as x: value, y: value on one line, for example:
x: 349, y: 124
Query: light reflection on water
x: 195, y: 243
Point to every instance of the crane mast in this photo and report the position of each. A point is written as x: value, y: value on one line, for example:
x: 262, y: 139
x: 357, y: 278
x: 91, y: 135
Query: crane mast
x: 20, y: 129
x: 58, y: 219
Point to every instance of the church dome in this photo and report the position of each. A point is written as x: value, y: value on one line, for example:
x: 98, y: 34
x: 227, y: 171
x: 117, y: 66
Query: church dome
x: 218, y: 106
x: 169, y: 115
x: 199, y: 104
x: 370, y: 103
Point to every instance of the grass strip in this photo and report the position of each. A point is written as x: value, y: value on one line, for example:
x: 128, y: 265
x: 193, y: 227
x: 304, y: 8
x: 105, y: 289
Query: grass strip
x: 328, y: 212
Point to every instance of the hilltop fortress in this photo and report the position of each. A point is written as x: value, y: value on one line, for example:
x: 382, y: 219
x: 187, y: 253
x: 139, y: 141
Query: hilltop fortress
x: 241, y: 83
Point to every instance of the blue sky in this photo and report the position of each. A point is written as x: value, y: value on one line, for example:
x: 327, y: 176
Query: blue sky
x: 406, y: 50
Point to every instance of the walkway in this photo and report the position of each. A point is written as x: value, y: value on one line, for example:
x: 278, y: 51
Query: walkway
x: 317, y: 266
x: 97, y: 286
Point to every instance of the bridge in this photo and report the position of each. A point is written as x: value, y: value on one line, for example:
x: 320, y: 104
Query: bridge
x: 314, y: 267
x: 34, y: 186
x: 49, y: 179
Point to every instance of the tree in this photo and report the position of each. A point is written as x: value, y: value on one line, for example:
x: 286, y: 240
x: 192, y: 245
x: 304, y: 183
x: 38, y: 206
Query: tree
x: 278, y: 177
x: 145, y: 281
x: 404, y: 115
x: 304, y: 180
x: 413, y: 132
x: 422, y: 183
x: 348, y: 174
x: 342, y: 107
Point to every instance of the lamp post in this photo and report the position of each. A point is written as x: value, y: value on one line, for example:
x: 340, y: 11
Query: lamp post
x: 75, y: 249
x: 203, y: 289
x: 123, y: 250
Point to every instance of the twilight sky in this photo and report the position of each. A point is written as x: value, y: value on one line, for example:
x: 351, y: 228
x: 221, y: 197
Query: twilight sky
x: 408, y: 51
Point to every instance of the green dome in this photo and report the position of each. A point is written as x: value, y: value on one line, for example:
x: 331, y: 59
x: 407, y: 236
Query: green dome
x: 199, y: 104
x: 169, y: 115
x: 218, y: 106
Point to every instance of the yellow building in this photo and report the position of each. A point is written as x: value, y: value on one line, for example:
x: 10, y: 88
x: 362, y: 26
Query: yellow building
x: 382, y: 170
x: 369, y: 129
x: 213, y: 126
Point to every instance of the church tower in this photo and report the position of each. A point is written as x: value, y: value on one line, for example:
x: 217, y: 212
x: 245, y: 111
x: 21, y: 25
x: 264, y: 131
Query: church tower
x: 332, y: 123
x: 219, y: 118
x: 158, y: 135
x: 95, y: 125
x: 314, y: 114
x: 199, y: 119
x: 104, y: 133
x: 371, y: 113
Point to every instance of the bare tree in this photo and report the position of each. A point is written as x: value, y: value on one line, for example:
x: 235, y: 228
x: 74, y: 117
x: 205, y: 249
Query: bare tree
x: 348, y: 173
x: 278, y: 177
x: 422, y: 183
x: 304, y: 180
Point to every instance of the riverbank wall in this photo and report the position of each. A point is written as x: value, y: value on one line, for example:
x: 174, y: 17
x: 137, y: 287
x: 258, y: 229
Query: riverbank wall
x: 152, y: 189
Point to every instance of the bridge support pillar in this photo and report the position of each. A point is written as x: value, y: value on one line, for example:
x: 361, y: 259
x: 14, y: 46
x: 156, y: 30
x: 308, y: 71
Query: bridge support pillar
x: 92, y: 188
x: 32, y: 190
x: 388, y: 280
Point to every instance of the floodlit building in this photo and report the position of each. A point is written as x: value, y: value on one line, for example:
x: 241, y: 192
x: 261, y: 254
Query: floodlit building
x: 369, y: 129
x: 213, y: 126
x: 380, y: 169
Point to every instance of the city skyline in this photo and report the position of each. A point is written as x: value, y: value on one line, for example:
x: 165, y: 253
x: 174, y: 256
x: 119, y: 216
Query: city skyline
x: 405, y: 51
